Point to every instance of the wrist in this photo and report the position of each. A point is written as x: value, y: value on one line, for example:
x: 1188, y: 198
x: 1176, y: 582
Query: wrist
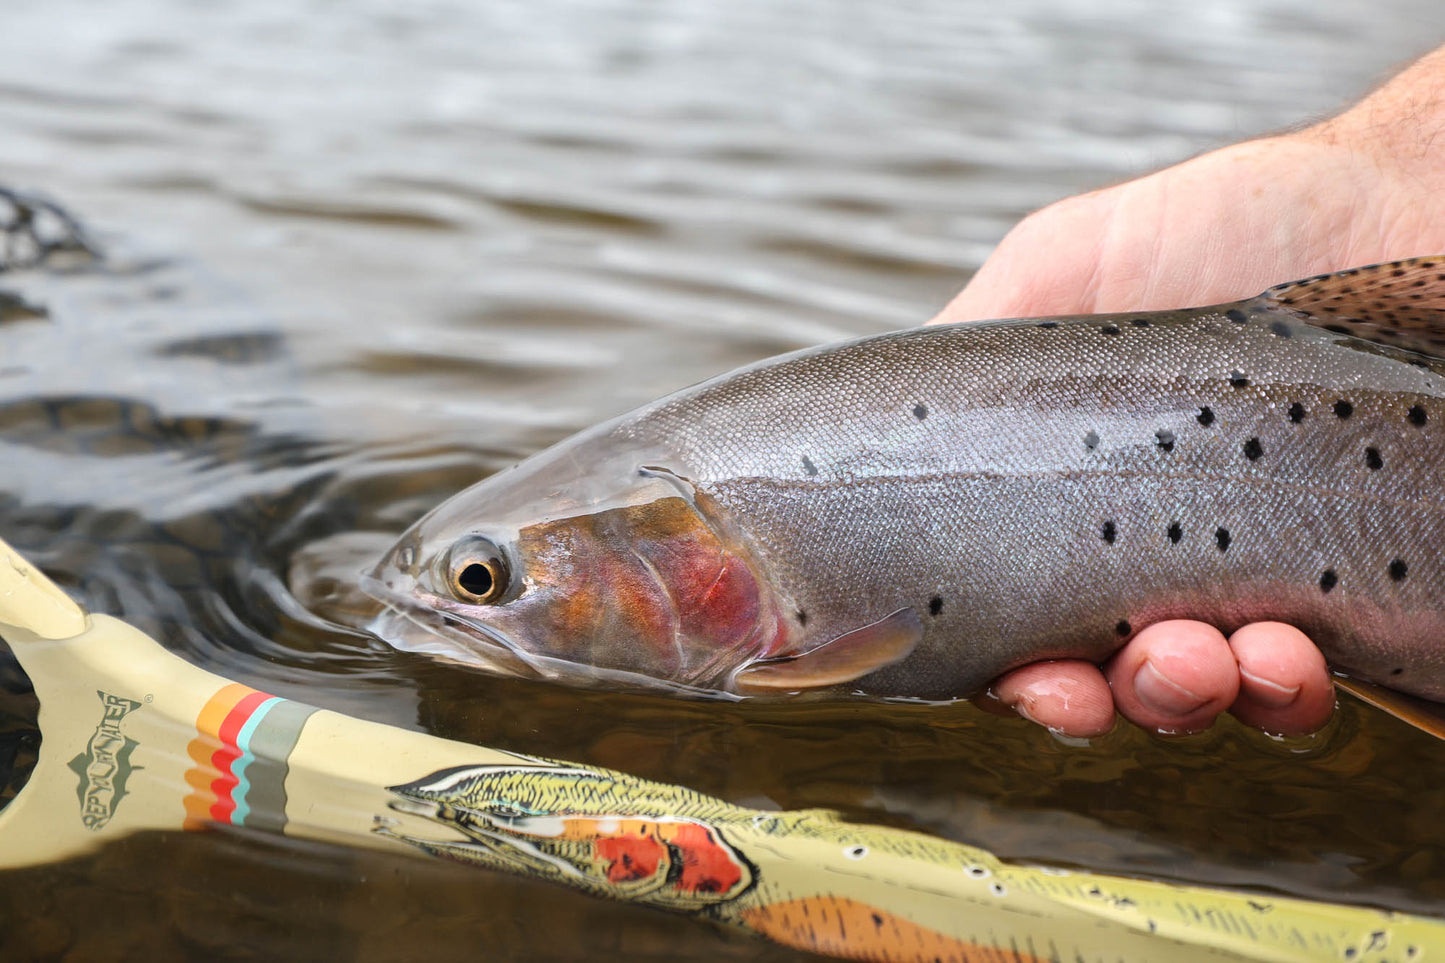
x: 1398, y: 129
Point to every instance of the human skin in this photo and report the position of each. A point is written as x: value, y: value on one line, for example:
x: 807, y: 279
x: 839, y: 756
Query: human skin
x: 1363, y: 187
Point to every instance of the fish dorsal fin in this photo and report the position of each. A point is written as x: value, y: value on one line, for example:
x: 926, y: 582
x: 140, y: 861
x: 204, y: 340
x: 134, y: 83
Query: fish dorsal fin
x: 1422, y: 714
x: 1400, y: 304
x: 843, y: 659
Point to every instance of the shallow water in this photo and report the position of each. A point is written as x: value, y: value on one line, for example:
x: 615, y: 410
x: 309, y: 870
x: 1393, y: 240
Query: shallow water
x: 363, y: 256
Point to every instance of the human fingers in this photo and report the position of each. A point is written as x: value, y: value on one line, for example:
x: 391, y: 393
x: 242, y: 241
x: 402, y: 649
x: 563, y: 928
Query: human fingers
x: 1174, y: 677
x: 1284, y: 684
x: 1067, y: 695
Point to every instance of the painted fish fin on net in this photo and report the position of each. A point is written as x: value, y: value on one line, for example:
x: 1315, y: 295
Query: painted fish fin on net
x: 843, y: 659
x: 1399, y: 304
x: 1422, y: 714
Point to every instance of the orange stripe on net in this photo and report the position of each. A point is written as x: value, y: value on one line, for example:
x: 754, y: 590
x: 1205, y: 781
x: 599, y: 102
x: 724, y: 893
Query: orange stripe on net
x: 847, y: 928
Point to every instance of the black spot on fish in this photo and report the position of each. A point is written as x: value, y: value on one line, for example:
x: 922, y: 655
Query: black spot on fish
x: 1280, y: 330
x: 1398, y: 570
x: 1328, y: 580
x: 1417, y: 415
x: 877, y: 920
x: 1236, y: 315
x: 1140, y: 322
x: 1165, y: 439
x: 1108, y: 532
x: 1123, y: 628
x: 1205, y: 416
x: 808, y: 466
x: 920, y: 412
x: 802, y: 617
x: 1253, y: 449
x: 1399, y: 671
x: 1221, y: 538
x: 1048, y: 324
x: 1373, y: 461
x: 1176, y: 532
x: 1296, y: 412
x: 935, y: 605
x: 1238, y: 380
x: 1091, y: 440
x: 1109, y: 329
x: 1343, y: 409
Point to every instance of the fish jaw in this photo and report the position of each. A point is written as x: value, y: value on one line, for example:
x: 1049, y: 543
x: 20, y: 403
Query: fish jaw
x: 415, y: 620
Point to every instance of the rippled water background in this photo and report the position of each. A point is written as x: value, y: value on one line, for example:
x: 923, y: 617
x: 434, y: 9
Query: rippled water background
x: 362, y: 255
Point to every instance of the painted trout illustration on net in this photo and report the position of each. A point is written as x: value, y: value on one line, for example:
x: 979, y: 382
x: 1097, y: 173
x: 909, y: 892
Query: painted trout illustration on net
x: 912, y: 514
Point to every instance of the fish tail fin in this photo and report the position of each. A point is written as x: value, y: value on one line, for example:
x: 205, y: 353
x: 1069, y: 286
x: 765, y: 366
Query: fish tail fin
x: 1400, y: 304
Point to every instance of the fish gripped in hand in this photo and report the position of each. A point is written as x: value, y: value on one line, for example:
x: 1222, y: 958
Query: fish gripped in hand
x: 913, y: 514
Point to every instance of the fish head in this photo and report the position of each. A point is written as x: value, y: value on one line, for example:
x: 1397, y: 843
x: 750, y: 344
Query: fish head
x: 622, y: 574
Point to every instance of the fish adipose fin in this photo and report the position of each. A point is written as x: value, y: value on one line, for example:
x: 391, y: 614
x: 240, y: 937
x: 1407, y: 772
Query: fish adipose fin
x: 1422, y: 714
x: 1400, y: 304
x: 844, y: 659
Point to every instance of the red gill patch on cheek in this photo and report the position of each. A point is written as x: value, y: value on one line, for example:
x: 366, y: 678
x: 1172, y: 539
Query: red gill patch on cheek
x: 719, y: 598
x: 724, y: 609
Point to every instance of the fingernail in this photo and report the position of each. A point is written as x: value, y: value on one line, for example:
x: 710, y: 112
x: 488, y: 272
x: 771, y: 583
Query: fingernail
x: 1270, y: 694
x: 1162, y: 694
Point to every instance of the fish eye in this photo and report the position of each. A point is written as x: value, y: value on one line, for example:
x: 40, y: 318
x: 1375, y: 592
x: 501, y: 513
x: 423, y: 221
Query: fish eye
x: 477, y: 572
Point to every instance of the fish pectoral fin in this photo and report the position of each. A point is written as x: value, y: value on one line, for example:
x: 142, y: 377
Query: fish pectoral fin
x: 1423, y: 714
x: 1399, y: 304
x: 843, y: 659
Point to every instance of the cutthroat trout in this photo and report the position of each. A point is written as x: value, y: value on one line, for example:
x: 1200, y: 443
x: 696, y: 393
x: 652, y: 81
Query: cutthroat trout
x: 913, y: 514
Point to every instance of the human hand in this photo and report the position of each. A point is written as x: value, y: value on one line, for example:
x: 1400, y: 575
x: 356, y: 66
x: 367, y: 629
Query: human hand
x: 1357, y: 189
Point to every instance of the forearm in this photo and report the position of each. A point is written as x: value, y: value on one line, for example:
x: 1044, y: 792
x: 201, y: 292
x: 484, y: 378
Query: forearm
x: 1399, y: 125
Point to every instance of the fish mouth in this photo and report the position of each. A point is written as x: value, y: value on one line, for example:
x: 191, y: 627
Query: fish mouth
x: 418, y: 621
x: 422, y: 622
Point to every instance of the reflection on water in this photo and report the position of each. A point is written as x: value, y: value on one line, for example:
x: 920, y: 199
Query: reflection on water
x: 421, y: 243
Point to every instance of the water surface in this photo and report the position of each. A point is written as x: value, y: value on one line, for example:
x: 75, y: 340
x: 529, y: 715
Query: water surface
x: 363, y: 255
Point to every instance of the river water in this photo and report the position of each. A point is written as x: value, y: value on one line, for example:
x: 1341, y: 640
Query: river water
x: 362, y: 255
